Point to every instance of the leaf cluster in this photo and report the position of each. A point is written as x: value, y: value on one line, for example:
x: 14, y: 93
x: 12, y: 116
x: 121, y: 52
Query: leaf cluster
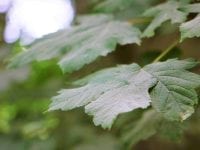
x: 168, y: 87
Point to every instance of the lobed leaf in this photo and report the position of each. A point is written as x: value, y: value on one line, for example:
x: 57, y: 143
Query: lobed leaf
x: 96, y: 35
x: 164, y: 12
x: 174, y: 95
x: 191, y: 28
x: 110, y: 92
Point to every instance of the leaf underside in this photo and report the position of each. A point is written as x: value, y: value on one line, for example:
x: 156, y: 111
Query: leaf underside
x: 110, y: 92
x: 176, y: 12
x: 96, y: 35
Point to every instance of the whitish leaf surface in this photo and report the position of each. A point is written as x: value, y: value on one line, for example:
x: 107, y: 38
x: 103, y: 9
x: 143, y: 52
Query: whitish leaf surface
x: 174, y: 95
x: 164, y: 12
x: 191, y: 8
x: 191, y: 28
x: 95, y: 36
x: 108, y: 93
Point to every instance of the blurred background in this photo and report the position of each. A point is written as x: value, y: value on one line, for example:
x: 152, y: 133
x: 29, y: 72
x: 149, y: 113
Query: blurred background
x: 25, y: 95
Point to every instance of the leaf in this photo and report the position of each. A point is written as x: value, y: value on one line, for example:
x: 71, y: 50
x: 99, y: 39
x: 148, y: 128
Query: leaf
x: 174, y: 95
x: 144, y: 128
x: 191, y: 8
x: 113, y: 5
x: 108, y: 93
x: 171, y: 130
x: 149, y: 124
x: 124, y: 9
x: 96, y: 35
x: 164, y: 12
x: 191, y: 28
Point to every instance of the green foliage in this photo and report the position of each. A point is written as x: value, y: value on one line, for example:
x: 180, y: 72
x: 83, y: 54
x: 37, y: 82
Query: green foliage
x: 164, y: 92
x: 164, y: 12
x: 81, y: 44
x: 191, y: 8
x: 109, y: 92
x: 124, y: 9
x: 144, y: 128
x: 191, y: 28
x: 7, y: 113
x: 174, y: 95
x: 176, y: 12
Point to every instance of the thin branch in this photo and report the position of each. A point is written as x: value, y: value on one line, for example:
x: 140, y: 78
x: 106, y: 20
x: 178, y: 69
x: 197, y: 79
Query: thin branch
x: 165, y: 52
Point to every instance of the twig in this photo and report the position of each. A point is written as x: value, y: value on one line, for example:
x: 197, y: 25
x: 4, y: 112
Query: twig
x: 165, y: 52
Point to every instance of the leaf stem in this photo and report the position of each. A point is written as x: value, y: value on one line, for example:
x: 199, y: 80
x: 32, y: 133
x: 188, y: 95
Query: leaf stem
x: 165, y: 52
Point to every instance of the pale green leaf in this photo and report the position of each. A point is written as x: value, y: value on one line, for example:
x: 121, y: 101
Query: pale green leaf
x: 191, y: 28
x: 108, y: 93
x: 124, y: 9
x: 172, y: 130
x: 174, y: 95
x: 96, y: 35
x: 191, y: 8
x: 162, y: 13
